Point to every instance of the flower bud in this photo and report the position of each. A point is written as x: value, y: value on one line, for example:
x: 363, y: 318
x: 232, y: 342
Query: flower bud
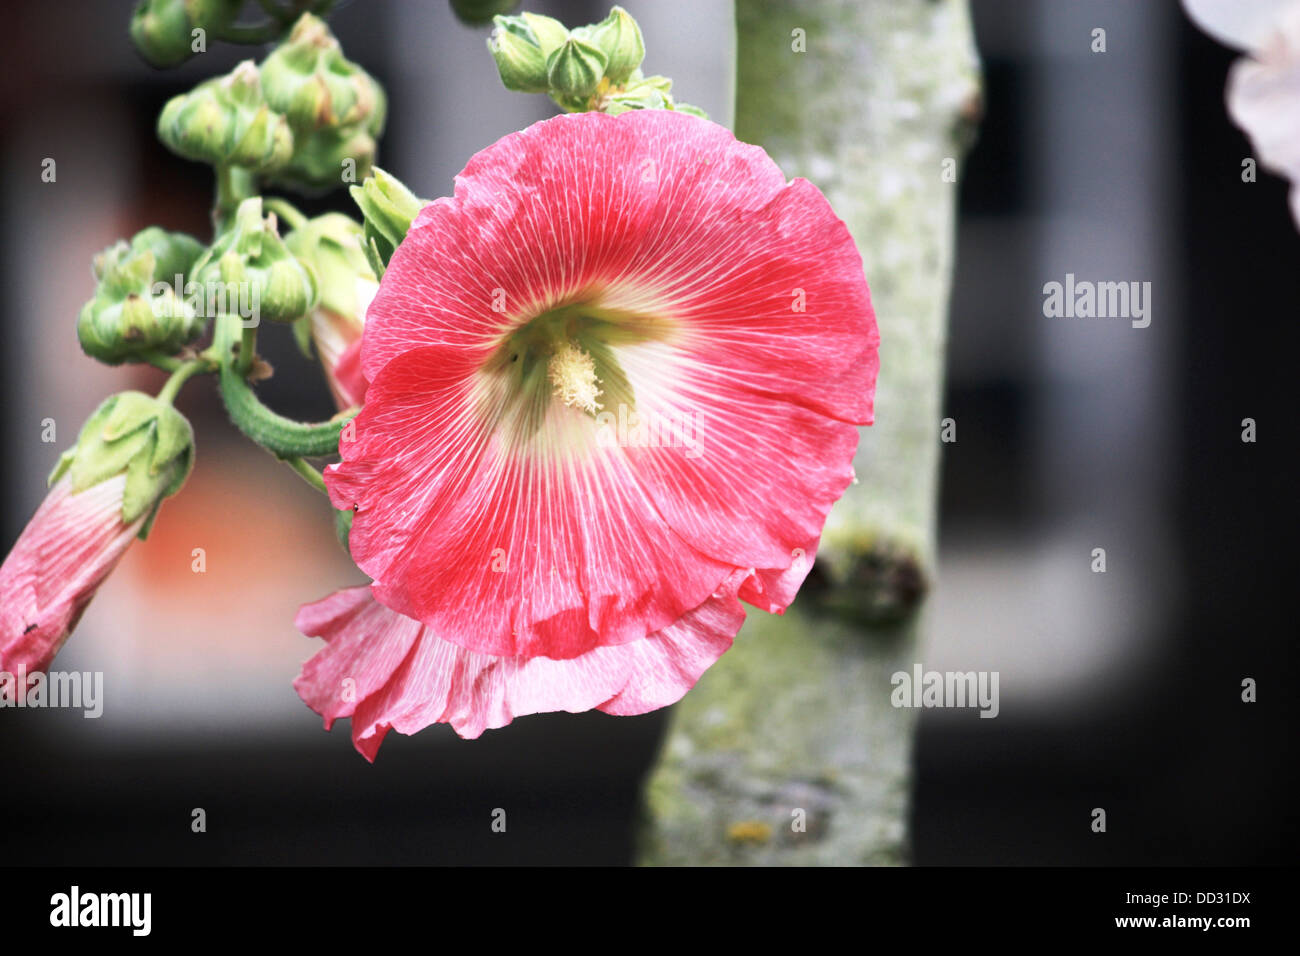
x: 333, y: 245
x: 134, y: 452
x: 574, y: 70
x: 310, y: 81
x: 163, y: 30
x: 478, y: 12
x: 137, y: 435
x: 324, y: 159
x: 224, y: 121
x: 389, y: 208
x: 518, y: 56
x: 249, y: 271
x: 619, y: 37
x: 139, y: 305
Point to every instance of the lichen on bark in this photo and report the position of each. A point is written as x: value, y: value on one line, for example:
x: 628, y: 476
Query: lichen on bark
x: 788, y: 751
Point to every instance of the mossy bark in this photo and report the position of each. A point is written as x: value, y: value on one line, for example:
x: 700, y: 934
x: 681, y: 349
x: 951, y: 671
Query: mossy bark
x: 789, y: 751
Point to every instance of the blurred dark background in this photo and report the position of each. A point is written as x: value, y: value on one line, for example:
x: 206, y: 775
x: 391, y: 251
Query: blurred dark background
x: 1119, y: 690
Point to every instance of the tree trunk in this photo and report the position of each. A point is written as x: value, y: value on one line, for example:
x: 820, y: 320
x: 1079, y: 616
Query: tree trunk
x: 789, y: 750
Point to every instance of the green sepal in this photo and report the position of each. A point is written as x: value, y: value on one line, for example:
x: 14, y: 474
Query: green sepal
x: 688, y: 108
x: 135, y: 434
x: 389, y: 208
x: 333, y: 245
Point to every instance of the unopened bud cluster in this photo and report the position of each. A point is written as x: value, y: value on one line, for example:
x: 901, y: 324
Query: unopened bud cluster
x: 306, y: 118
x: 594, y: 67
x: 136, y: 309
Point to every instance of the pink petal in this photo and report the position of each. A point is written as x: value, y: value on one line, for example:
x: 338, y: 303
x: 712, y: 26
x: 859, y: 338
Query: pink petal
x: 389, y: 672
x: 56, y: 566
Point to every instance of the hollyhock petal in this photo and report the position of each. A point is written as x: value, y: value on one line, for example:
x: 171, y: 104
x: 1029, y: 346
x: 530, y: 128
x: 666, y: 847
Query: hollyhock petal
x: 524, y: 559
x: 348, y: 671
x: 699, y: 288
x: 1264, y: 100
x: 405, y: 678
x: 56, y: 566
x: 773, y: 589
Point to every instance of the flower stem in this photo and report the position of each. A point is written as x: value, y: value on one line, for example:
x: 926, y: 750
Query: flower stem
x: 234, y: 185
x: 308, y: 472
x: 247, y: 349
x: 183, y: 373
x: 283, y: 437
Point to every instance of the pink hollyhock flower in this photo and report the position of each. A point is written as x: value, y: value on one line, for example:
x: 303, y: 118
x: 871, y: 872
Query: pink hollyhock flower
x: 61, y: 558
x: 615, y: 384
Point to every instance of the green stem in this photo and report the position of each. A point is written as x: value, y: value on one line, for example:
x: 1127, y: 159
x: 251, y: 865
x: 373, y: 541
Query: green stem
x: 247, y: 349
x: 283, y: 437
x: 167, y: 363
x: 309, y: 474
x: 183, y: 373
x: 234, y: 185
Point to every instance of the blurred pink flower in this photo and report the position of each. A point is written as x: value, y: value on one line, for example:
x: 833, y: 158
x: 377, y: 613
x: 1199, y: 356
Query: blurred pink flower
x: 1263, y: 91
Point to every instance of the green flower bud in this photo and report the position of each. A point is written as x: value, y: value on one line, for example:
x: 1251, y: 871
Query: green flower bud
x: 327, y: 158
x: 135, y: 434
x: 163, y: 30
x: 308, y: 79
x: 334, y: 246
x: 575, y: 69
x: 518, y: 56
x: 478, y: 12
x: 251, y: 272
x: 619, y: 37
x: 139, y: 305
x: 549, y: 33
x: 389, y: 208
x: 224, y: 121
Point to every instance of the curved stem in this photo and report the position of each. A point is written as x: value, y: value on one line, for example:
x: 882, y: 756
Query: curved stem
x: 283, y: 437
